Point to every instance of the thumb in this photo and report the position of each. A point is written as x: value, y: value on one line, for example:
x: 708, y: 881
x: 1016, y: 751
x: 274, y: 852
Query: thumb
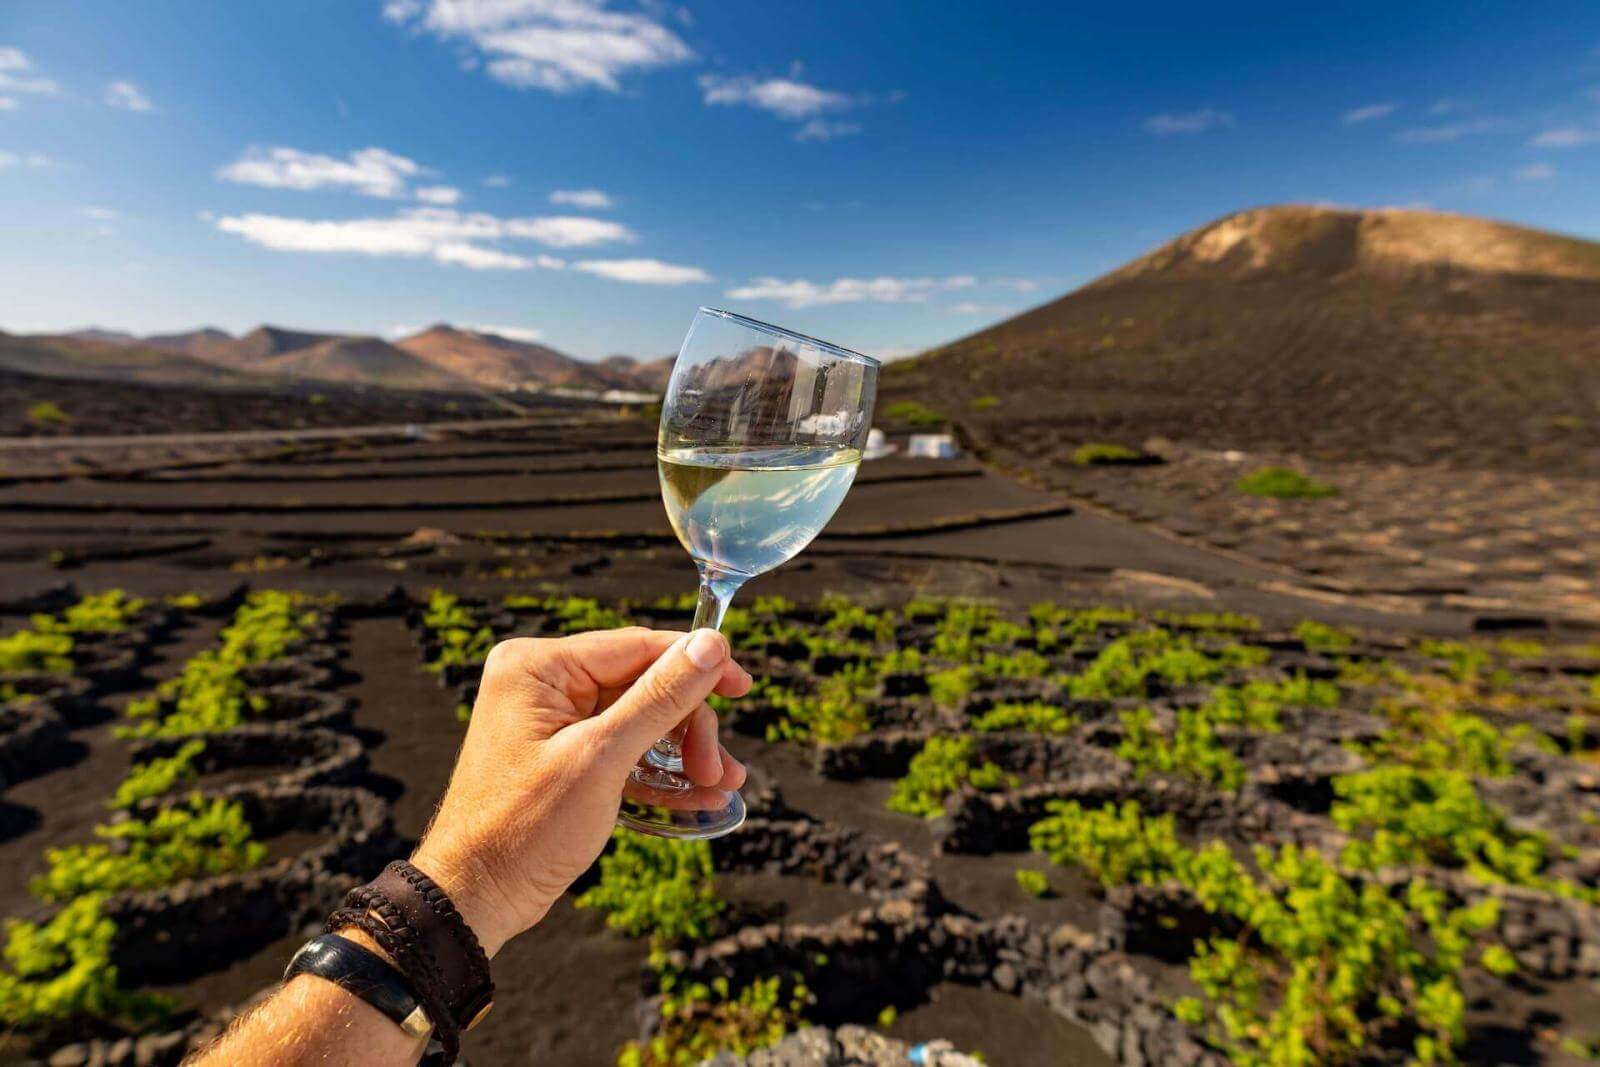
x: 669, y: 692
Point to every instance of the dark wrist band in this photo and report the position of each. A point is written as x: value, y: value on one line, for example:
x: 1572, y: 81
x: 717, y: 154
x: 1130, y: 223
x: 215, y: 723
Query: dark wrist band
x: 416, y: 923
x: 362, y: 974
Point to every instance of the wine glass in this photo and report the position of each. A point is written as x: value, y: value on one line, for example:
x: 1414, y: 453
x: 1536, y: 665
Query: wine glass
x: 761, y: 433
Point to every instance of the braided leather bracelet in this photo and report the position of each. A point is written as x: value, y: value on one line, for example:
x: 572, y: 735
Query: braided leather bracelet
x: 418, y: 925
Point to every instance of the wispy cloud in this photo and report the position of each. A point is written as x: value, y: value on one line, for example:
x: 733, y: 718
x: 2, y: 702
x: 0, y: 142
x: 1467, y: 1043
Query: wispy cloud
x: 444, y: 235
x: 525, y: 334
x: 17, y: 75
x: 972, y: 307
x: 588, y: 199
x: 556, y: 45
x: 29, y: 159
x: 126, y: 96
x: 497, y: 181
x: 1566, y: 137
x: 1370, y: 113
x: 1447, y: 105
x: 102, y: 214
x: 1206, y: 118
x: 443, y: 195
x: 788, y: 98
x: 368, y: 171
x: 1536, y: 172
x: 799, y: 293
x: 1021, y: 285
x: 642, y: 271
x: 823, y: 130
x: 1450, y: 131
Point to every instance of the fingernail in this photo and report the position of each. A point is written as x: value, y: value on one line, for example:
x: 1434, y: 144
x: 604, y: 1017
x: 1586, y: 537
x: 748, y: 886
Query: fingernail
x: 706, y: 649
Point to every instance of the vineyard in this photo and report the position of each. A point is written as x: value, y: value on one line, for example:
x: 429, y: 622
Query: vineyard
x: 1123, y: 835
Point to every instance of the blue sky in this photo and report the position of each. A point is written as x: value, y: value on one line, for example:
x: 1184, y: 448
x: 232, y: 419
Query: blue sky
x: 888, y: 175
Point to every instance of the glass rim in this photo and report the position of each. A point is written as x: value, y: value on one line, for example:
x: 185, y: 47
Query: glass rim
x: 779, y: 331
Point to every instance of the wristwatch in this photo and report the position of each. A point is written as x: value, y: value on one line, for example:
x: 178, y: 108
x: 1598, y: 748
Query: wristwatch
x: 363, y: 974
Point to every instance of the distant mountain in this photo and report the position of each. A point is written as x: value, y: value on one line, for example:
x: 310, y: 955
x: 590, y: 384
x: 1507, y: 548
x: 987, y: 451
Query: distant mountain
x: 360, y: 361
x: 201, y: 342
x: 108, y: 337
x: 496, y: 362
x: 440, y: 357
x: 72, y: 356
x: 1384, y: 333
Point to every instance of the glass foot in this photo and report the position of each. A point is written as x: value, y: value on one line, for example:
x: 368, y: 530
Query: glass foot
x: 683, y: 815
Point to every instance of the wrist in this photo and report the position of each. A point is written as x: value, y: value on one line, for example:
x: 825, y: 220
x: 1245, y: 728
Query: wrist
x: 476, y: 895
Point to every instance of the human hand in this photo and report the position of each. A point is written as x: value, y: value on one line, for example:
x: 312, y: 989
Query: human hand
x: 556, y: 729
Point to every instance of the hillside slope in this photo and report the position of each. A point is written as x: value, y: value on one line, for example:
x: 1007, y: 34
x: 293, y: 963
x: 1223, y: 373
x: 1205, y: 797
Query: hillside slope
x: 496, y: 362
x: 1380, y: 334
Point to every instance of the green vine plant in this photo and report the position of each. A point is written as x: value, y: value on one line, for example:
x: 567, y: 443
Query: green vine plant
x: 159, y: 776
x: 60, y: 971
x: 657, y: 887
x: 1324, y: 964
x: 197, y: 839
x: 944, y: 765
x: 1191, y: 751
x: 697, y: 1020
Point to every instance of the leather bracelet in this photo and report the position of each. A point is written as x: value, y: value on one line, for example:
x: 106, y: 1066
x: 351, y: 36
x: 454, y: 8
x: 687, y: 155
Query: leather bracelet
x: 416, y: 922
x: 362, y: 974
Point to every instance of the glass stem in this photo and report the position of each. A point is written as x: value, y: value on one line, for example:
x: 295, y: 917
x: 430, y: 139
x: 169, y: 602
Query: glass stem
x: 716, y: 593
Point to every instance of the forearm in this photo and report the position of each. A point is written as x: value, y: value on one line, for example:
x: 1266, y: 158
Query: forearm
x: 311, y: 1021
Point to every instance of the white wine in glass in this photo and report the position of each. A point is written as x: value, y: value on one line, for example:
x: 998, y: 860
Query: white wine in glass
x: 761, y: 434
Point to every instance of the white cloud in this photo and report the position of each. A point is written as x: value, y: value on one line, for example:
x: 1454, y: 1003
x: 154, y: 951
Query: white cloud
x: 568, y: 231
x: 590, y: 199
x: 1207, y: 118
x: 91, y: 211
x: 1369, y: 113
x: 17, y: 76
x: 642, y: 271
x: 1565, y: 137
x: 1536, y: 172
x: 525, y: 334
x: 972, y: 307
x: 1446, y: 105
x: 8, y: 103
x: 884, y: 290
x: 1021, y: 285
x: 1478, y: 185
x: 822, y: 130
x: 32, y: 159
x: 784, y: 97
x: 557, y: 45
x: 476, y: 257
x: 442, y: 234
x: 368, y: 171
x: 126, y: 96
x: 497, y: 181
x: 444, y: 195
x: 1450, y: 131
x: 788, y: 98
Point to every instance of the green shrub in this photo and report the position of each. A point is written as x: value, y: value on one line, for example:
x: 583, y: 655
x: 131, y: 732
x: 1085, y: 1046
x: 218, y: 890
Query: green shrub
x: 985, y: 403
x: 657, y: 886
x: 158, y: 776
x: 699, y: 1020
x: 944, y: 765
x: 1192, y: 751
x: 198, y: 839
x: 1282, y: 483
x: 47, y: 413
x: 1098, y: 453
x: 1033, y: 883
x: 1114, y: 845
x: 913, y: 412
x: 950, y: 687
x: 98, y: 613
x: 1035, y: 716
x: 1125, y: 666
x: 28, y: 650
x: 61, y: 972
x: 836, y: 711
x: 1318, y: 637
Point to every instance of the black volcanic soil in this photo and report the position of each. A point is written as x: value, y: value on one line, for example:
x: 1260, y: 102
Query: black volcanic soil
x: 127, y: 407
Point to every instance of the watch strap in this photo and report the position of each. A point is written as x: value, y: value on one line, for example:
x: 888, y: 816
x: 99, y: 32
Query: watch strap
x: 362, y: 974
